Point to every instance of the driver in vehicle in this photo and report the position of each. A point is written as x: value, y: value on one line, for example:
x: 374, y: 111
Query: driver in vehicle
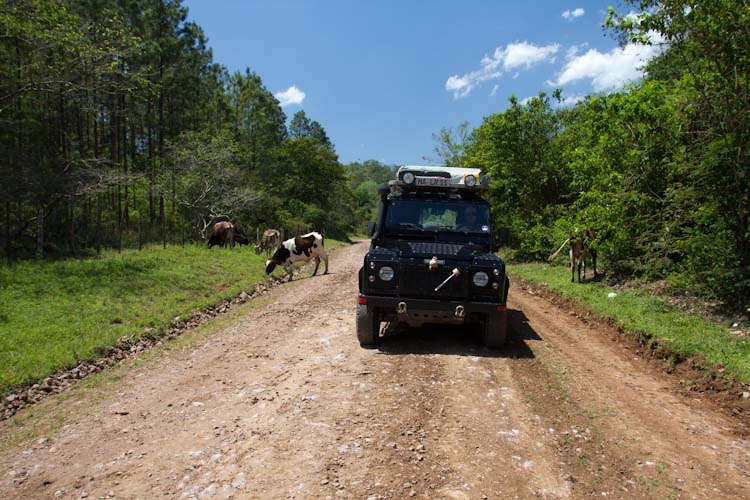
x: 470, y: 220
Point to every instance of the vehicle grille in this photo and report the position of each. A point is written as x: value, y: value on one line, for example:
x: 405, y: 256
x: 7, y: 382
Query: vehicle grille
x: 419, y: 281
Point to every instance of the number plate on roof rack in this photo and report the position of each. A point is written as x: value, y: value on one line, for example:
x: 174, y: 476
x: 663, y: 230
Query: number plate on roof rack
x: 433, y: 181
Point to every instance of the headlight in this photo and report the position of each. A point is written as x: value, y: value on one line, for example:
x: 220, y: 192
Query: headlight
x: 386, y: 273
x: 470, y: 180
x: 408, y: 178
x: 481, y: 278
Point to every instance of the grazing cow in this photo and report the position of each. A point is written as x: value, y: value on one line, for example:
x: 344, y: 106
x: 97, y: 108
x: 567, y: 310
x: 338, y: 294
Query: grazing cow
x: 240, y: 236
x: 580, y: 249
x: 225, y: 233
x: 222, y: 234
x: 269, y: 241
x: 306, y: 247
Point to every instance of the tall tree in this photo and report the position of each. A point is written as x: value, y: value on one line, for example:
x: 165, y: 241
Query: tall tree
x: 302, y: 126
x: 450, y: 145
x: 708, y: 57
x: 259, y: 122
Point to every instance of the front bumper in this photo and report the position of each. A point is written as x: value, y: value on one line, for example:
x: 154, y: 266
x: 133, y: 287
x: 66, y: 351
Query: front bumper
x: 431, y: 305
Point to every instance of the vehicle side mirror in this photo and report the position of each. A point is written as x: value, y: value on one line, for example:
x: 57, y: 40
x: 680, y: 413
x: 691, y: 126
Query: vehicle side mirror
x: 372, y: 226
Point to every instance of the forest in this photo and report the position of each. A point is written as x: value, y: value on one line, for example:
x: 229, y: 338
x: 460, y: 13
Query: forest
x: 118, y: 129
x: 660, y: 170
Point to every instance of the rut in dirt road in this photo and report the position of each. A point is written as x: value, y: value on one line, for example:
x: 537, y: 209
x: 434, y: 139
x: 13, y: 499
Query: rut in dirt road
x: 283, y: 403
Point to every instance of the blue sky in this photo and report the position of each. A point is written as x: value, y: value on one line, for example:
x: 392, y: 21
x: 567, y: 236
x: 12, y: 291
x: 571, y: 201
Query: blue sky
x: 383, y: 76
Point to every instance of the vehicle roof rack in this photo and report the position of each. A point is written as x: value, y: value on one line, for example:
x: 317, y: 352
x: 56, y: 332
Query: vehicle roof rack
x: 438, y: 178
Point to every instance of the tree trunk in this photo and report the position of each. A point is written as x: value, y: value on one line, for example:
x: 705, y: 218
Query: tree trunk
x: 98, y: 223
x: 40, y: 231
x: 163, y: 221
x: 151, y: 165
x: 71, y: 221
x: 7, y: 228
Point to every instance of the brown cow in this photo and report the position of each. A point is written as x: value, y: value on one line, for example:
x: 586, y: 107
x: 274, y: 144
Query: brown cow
x: 240, y: 236
x: 580, y: 249
x: 268, y: 242
x: 222, y: 234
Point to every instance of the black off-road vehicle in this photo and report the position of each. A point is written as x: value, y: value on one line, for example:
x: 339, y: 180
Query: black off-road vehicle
x: 431, y: 256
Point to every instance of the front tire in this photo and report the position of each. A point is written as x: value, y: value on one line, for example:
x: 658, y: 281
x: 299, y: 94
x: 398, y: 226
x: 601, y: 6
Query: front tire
x: 368, y: 325
x: 495, y: 329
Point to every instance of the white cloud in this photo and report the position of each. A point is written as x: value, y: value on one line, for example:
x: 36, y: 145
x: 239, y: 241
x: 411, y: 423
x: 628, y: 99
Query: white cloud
x: 572, y: 100
x: 527, y: 100
x: 525, y: 55
x: 494, y: 90
x: 608, y: 70
x: 572, y: 14
x: 515, y: 55
x: 292, y: 95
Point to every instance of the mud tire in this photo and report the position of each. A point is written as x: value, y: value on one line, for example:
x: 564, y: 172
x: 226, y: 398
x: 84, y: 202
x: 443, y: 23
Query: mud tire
x: 495, y: 330
x: 368, y: 325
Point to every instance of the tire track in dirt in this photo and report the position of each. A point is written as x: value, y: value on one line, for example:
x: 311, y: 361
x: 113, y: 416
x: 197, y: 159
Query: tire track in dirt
x: 627, y: 432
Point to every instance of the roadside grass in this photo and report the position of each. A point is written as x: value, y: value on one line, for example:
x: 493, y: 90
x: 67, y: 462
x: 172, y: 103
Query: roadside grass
x: 54, y: 314
x: 635, y: 310
x: 53, y: 413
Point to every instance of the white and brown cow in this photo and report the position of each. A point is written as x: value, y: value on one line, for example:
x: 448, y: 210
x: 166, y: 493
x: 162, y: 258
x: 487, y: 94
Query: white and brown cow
x: 303, y: 248
x: 269, y: 241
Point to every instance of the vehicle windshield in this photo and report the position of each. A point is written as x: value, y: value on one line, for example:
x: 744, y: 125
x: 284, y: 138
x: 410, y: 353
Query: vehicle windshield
x: 426, y: 215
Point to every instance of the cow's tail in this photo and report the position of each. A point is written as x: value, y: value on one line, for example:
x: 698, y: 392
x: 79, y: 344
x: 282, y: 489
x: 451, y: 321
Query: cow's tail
x: 552, y: 257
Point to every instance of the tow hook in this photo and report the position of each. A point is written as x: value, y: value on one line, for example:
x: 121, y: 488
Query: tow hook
x: 401, y: 308
x: 460, y: 312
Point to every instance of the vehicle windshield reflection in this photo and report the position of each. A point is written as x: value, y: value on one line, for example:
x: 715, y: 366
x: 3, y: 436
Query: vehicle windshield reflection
x: 429, y: 215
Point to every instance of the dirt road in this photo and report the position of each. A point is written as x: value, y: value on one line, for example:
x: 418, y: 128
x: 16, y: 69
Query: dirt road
x: 281, y: 402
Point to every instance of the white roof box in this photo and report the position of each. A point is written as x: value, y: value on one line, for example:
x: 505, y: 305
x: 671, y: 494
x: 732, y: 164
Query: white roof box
x: 437, y: 177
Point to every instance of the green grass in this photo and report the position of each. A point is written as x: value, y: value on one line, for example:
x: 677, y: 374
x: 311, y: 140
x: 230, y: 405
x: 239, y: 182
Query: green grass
x: 635, y: 310
x: 53, y: 314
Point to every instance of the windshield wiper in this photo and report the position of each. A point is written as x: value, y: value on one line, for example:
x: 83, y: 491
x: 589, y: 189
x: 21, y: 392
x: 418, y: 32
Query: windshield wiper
x: 410, y: 225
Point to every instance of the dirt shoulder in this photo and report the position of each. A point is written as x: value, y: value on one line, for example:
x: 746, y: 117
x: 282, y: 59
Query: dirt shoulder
x: 691, y: 376
x: 279, y: 401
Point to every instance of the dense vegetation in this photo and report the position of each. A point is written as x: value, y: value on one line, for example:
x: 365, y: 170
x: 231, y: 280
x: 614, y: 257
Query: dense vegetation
x: 117, y: 128
x: 660, y: 169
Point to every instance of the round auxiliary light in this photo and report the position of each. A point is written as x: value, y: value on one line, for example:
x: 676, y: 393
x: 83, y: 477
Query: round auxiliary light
x: 371, y: 279
x: 485, y: 180
x: 470, y: 180
x: 495, y: 285
x: 372, y: 265
x: 408, y: 178
x: 481, y: 278
x: 386, y: 273
x: 496, y: 272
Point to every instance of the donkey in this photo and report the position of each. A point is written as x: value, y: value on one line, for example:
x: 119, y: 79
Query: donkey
x: 581, y: 248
